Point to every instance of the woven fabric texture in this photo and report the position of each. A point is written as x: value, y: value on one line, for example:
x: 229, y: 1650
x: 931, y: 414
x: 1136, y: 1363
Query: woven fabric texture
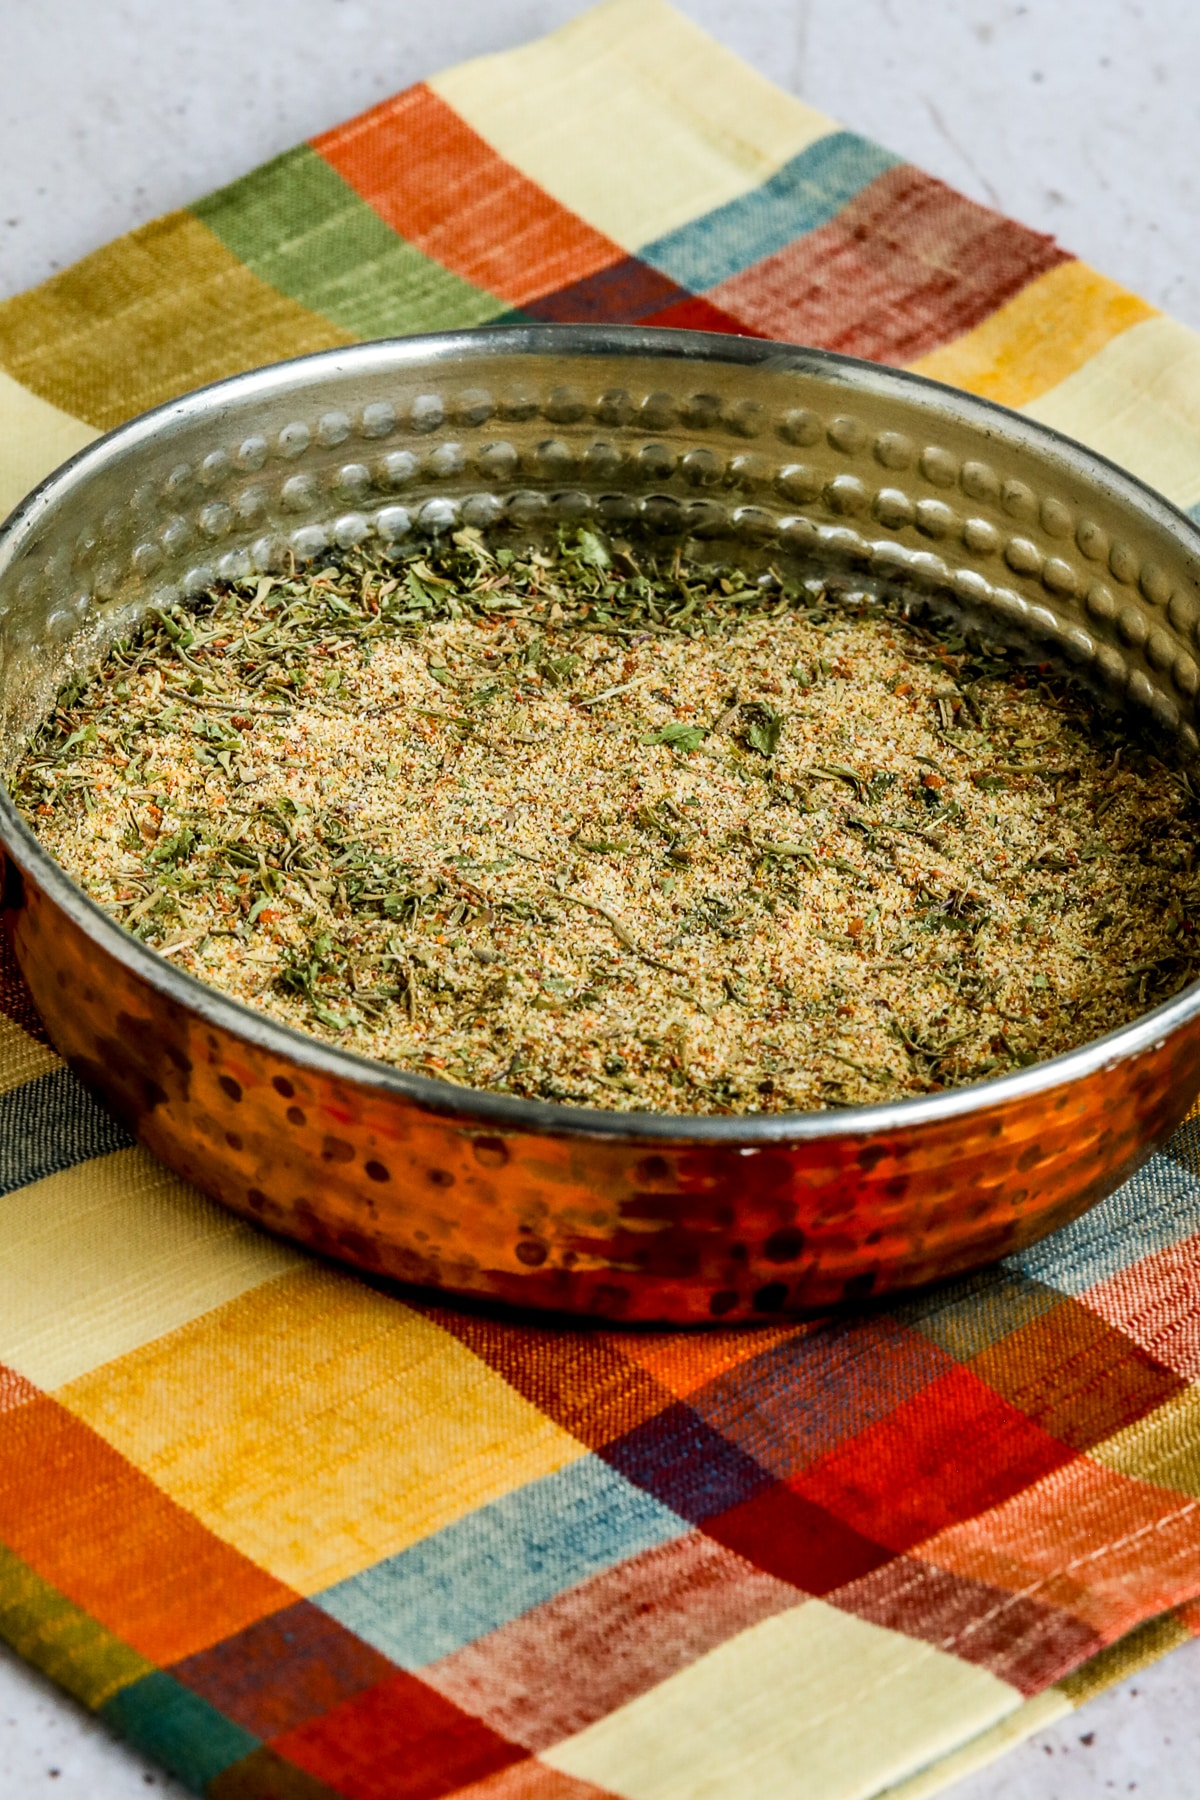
x: 297, y: 1537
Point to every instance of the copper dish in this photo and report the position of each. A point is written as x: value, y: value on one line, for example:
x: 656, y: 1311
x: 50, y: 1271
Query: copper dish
x: 747, y: 450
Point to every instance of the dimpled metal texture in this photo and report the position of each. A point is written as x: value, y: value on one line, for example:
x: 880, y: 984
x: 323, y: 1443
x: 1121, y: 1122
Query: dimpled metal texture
x: 739, y: 450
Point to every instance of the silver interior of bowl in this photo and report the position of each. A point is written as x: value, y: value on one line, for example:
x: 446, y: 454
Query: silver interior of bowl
x: 748, y: 451
x: 743, y: 451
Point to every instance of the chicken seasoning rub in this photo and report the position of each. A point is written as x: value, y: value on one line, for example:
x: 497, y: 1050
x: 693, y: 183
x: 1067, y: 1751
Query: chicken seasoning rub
x: 596, y: 828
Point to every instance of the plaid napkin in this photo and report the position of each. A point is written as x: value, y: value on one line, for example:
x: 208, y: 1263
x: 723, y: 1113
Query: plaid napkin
x: 296, y: 1537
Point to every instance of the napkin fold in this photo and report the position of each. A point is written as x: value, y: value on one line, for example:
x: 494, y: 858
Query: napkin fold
x: 297, y: 1537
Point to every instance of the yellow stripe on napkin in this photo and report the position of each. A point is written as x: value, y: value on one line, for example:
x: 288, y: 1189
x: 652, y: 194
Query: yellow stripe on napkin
x: 633, y: 118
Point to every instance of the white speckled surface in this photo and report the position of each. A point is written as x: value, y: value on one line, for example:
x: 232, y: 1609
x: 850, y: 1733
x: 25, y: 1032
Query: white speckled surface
x: 1081, y: 117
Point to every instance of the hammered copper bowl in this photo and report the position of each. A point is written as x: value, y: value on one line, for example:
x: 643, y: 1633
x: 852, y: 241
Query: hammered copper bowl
x: 747, y: 451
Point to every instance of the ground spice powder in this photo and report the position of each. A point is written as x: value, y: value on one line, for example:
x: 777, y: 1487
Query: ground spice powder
x: 606, y: 828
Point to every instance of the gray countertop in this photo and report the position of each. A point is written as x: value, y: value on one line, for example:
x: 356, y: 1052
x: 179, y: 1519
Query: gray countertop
x: 1080, y: 117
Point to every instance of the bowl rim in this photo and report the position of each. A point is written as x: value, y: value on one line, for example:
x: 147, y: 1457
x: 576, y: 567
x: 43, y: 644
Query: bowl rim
x: 484, y: 1108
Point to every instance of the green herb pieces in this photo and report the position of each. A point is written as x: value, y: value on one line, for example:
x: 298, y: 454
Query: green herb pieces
x: 582, y: 822
x: 678, y: 737
x: 764, y: 728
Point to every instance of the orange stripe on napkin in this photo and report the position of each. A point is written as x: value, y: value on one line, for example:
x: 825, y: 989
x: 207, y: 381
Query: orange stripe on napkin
x: 437, y: 183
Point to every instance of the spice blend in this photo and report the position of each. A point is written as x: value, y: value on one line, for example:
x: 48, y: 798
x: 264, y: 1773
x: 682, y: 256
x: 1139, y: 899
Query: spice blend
x: 590, y: 826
